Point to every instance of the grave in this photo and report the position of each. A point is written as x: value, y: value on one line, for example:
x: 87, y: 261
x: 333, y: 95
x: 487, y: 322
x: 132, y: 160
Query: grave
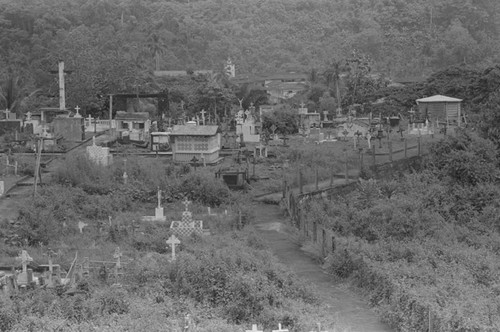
x: 98, y: 154
x: 26, y: 276
x: 254, y: 329
x: 159, y: 212
x: 187, y: 225
x: 172, y: 242
x: 280, y: 329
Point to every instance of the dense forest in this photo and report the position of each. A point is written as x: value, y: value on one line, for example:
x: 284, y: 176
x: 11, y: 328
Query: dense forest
x: 114, y: 45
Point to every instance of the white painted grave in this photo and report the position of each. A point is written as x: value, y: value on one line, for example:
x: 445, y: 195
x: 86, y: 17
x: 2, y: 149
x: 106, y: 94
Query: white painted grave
x: 159, y: 212
x: 26, y: 276
x: 98, y: 154
x: 280, y: 329
x: 187, y: 225
x: 81, y: 226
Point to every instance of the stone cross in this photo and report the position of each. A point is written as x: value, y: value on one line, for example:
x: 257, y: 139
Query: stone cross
x: 203, y: 115
x: 279, y: 329
x: 117, y: 255
x: 28, y: 116
x: 25, y: 259
x: 81, y: 225
x: 241, y: 103
x: 77, y: 108
x: 50, y: 253
x: 302, y: 105
x: 172, y: 242
x: 159, y: 197
x: 254, y: 329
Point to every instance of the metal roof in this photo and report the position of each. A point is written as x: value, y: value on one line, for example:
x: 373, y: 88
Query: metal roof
x: 194, y: 130
x: 134, y: 116
x: 439, y: 99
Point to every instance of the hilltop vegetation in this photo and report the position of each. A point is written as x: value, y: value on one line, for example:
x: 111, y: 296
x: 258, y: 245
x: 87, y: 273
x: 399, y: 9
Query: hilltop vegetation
x: 114, y: 45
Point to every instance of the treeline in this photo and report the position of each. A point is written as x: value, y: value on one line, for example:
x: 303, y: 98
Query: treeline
x: 114, y: 45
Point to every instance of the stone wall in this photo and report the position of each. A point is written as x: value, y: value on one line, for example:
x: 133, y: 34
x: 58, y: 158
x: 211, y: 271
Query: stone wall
x: 71, y: 129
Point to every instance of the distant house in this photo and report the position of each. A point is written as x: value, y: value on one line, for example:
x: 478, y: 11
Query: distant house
x: 441, y: 109
x: 134, y: 125
x: 193, y: 141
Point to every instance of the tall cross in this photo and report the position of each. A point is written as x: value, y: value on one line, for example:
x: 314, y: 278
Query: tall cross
x: 172, y: 242
x: 50, y: 253
x: 186, y: 203
x: 77, y: 109
x: 203, y: 115
x: 25, y: 259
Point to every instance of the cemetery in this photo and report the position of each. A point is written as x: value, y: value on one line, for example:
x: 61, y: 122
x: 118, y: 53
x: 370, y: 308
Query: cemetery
x: 196, y: 167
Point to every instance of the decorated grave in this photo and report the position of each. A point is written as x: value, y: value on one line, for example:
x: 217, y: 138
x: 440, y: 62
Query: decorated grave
x: 187, y: 226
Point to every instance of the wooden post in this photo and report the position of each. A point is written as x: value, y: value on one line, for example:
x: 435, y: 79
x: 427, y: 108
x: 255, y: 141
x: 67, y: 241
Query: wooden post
x: 331, y: 178
x: 37, y: 165
x: 406, y: 148
x: 373, y: 154
x: 317, y: 180
x: 390, y: 151
x: 284, y: 187
x: 360, y: 159
x: 111, y: 113
x: 346, y: 166
x: 419, y: 145
x: 300, y: 182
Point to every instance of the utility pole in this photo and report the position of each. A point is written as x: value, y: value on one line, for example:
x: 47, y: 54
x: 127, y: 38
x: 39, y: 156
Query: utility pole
x: 62, y: 93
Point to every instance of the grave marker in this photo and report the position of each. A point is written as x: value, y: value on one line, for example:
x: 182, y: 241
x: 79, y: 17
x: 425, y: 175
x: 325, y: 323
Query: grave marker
x: 81, y: 225
x: 172, y: 242
x: 280, y: 329
x: 25, y: 277
x: 117, y: 255
x: 254, y: 329
x: 50, y: 253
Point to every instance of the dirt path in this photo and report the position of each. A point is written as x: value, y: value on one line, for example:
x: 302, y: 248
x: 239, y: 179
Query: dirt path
x: 344, y: 303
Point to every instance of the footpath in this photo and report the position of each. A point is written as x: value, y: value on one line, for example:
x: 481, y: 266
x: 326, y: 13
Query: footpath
x: 349, y: 309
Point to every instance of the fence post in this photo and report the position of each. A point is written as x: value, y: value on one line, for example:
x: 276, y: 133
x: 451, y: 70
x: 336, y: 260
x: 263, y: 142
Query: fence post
x: 317, y: 183
x: 373, y: 154
x: 419, y: 145
x: 15, y: 168
x: 331, y: 177
x: 300, y: 182
x: 284, y: 187
x: 346, y: 166
x: 406, y: 148
x: 390, y: 150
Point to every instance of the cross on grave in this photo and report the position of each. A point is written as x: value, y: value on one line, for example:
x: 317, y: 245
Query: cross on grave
x: 77, y: 115
x: 273, y: 128
x: 254, y: 329
x: 203, y: 115
x: 345, y: 133
x: 302, y: 105
x: 81, y: 225
x: 28, y: 116
x: 172, y: 242
x: 117, y: 255
x: 279, y: 329
x: 50, y: 253
x: 186, y: 203
x: 25, y: 259
x: 247, y: 113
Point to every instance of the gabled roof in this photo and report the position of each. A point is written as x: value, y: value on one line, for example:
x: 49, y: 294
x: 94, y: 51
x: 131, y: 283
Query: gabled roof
x: 193, y: 130
x: 439, y: 99
x: 132, y: 116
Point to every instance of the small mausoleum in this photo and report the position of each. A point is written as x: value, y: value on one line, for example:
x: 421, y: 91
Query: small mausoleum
x: 441, y: 109
x: 134, y: 125
x: 192, y: 141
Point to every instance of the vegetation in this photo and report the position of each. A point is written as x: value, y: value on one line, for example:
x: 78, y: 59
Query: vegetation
x: 425, y: 245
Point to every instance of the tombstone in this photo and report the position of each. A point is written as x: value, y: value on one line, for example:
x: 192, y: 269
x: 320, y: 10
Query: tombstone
x: 81, y: 226
x: 50, y: 254
x: 98, y: 154
x: 26, y: 276
x: 77, y: 115
x: 254, y: 329
x: 280, y: 329
x: 187, y: 225
x: 159, y: 209
x: 172, y: 242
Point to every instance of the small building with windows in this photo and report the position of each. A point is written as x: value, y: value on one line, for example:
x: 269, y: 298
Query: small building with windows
x: 440, y: 109
x: 133, y: 125
x: 192, y: 141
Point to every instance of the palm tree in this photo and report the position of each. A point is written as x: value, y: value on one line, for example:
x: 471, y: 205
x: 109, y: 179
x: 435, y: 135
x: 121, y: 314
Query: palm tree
x: 13, y: 94
x: 156, y: 46
x: 332, y: 76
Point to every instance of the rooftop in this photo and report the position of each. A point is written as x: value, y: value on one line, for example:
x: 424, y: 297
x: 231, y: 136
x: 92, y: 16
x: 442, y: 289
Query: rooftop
x: 194, y: 130
x: 439, y: 99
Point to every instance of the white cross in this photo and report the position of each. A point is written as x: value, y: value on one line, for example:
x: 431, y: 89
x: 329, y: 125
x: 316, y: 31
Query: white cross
x: 173, y: 241
x: 77, y: 108
x: 203, y: 115
x: 254, y: 329
x: 81, y: 225
x: 25, y: 259
x: 279, y: 329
